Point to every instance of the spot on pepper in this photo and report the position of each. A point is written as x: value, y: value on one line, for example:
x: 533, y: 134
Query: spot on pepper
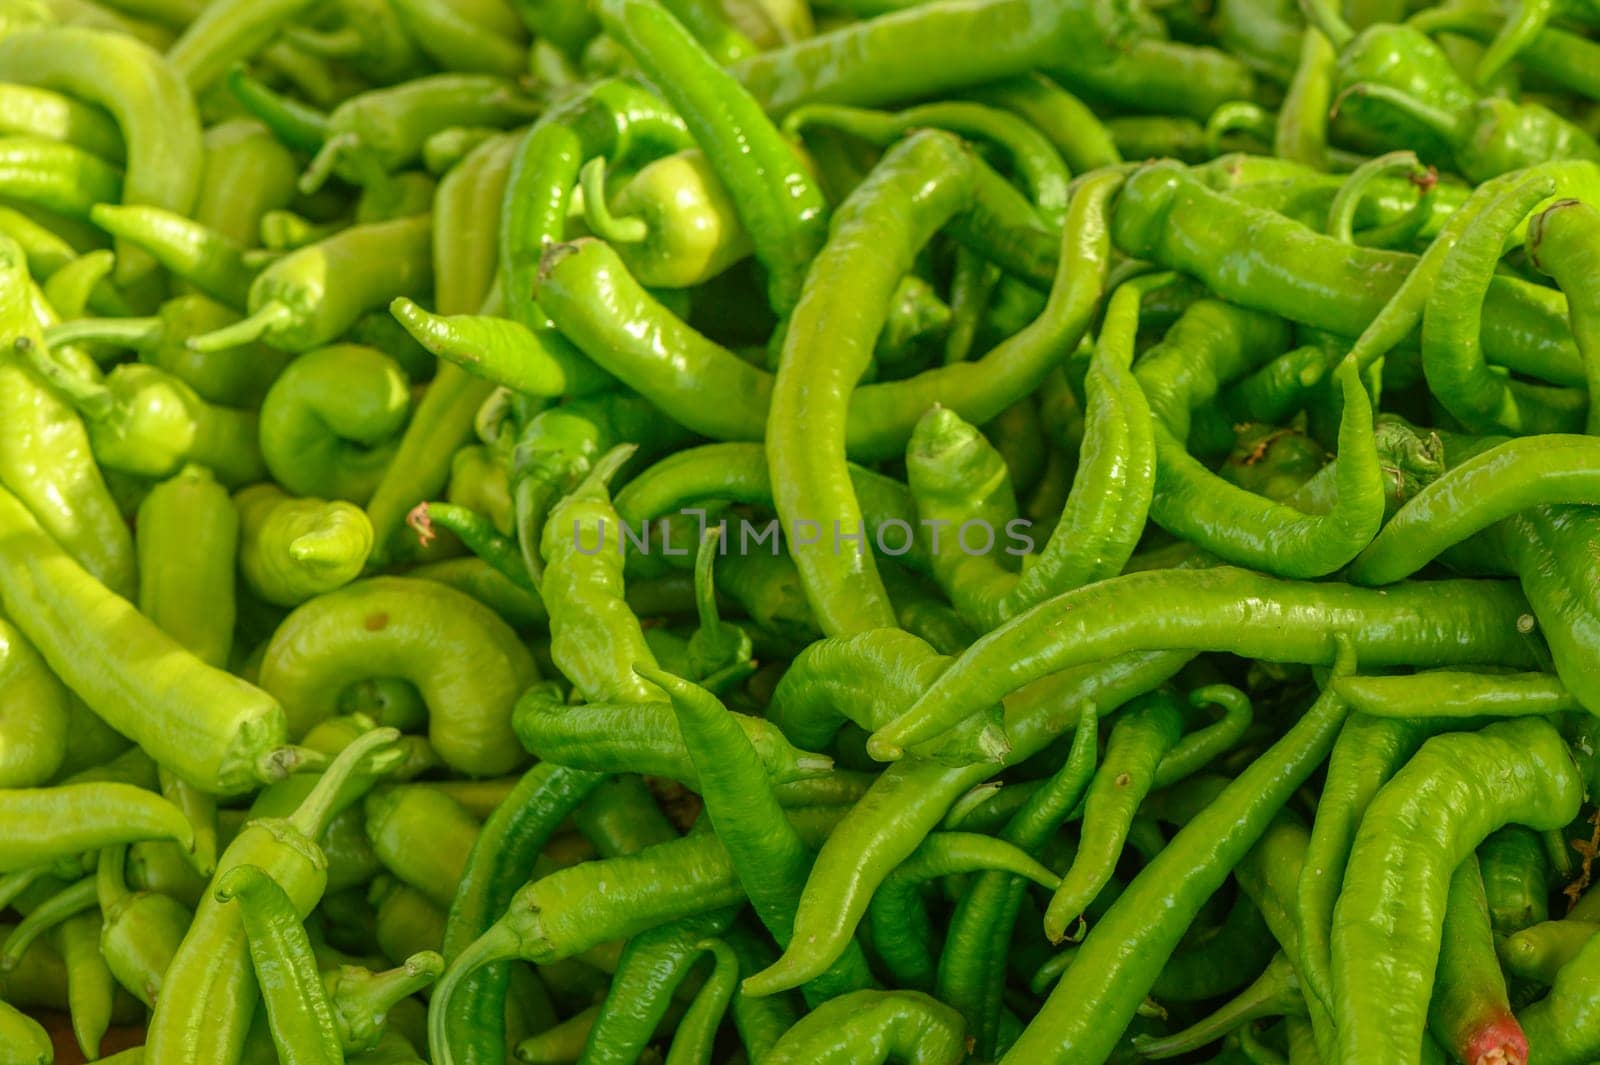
x: 377, y: 622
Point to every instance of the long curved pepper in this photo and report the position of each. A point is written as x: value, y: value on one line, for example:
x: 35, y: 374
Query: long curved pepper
x: 920, y: 184
x: 543, y: 924
x: 643, y: 737
x: 147, y: 422
x: 1167, y: 215
x: 143, y: 93
x: 49, y: 823
x: 1386, y: 934
x: 1106, y: 508
x: 1564, y: 242
x: 375, y: 133
x: 1493, y: 484
x: 1469, y: 1011
x: 1452, y: 348
x: 872, y: 1027
x: 654, y: 966
x: 1118, y: 962
x: 291, y: 550
x: 56, y: 177
x: 209, y: 260
x: 1565, y: 57
x: 925, y: 51
x: 207, y: 1015
x: 298, y: 126
x: 767, y: 852
x: 910, y: 799
x: 1275, y: 993
x: 226, y: 33
x: 473, y: 1021
x: 781, y: 206
x: 1223, y: 609
x: 1402, y: 231
x: 1242, y: 527
x: 332, y: 420
x: 219, y: 733
x: 313, y: 295
x: 478, y: 534
x: 1037, y: 164
x: 298, y: 1011
x: 977, y: 944
x: 595, y: 639
x: 469, y: 666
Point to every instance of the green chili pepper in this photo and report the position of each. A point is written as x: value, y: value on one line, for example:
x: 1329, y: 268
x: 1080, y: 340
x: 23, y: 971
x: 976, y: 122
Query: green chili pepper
x: 291, y: 550
x: 378, y: 132
x: 467, y: 664
x: 141, y: 930
x: 331, y: 421
x: 781, y: 208
x: 212, y: 990
x: 1007, y: 658
x: 673, y: 223
x: 144, y: 95
x: 1533, y: 782
x: 217, y: 732
x: 295, y: 304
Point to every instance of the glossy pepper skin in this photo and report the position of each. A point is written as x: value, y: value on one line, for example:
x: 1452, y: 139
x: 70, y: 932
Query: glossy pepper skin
x: 313, y: 295
x: 207, y: 1013
x: 467, y: 663
x: 673, y: 223
x: 33, y: 714
x: 219, y: 733
x: 46, y: 462
x: 1534, y: 781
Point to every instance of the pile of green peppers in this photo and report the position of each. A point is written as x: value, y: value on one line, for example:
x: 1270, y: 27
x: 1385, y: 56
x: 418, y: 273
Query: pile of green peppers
x: 799, y: 532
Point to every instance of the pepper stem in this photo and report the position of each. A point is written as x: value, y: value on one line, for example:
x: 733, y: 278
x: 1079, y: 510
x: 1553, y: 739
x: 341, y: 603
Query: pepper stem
x: 13, y: 885
x: 597, y: 214
x: 1325, y: 16
x: 327, y: 158
x: 350, y: 775
x: 361, y: 999
x: 500, y: 943
x: 89, y: 398
x: 1524, y: 24
x: 272, y: 315
x: 328, y: 44
x: 123, y: 332
x: 111, y: 886
x: 67, y: 902
x: 1441, y: 123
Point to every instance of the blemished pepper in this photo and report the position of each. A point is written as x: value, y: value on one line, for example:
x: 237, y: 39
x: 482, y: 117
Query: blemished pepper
x: 468, y: 665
